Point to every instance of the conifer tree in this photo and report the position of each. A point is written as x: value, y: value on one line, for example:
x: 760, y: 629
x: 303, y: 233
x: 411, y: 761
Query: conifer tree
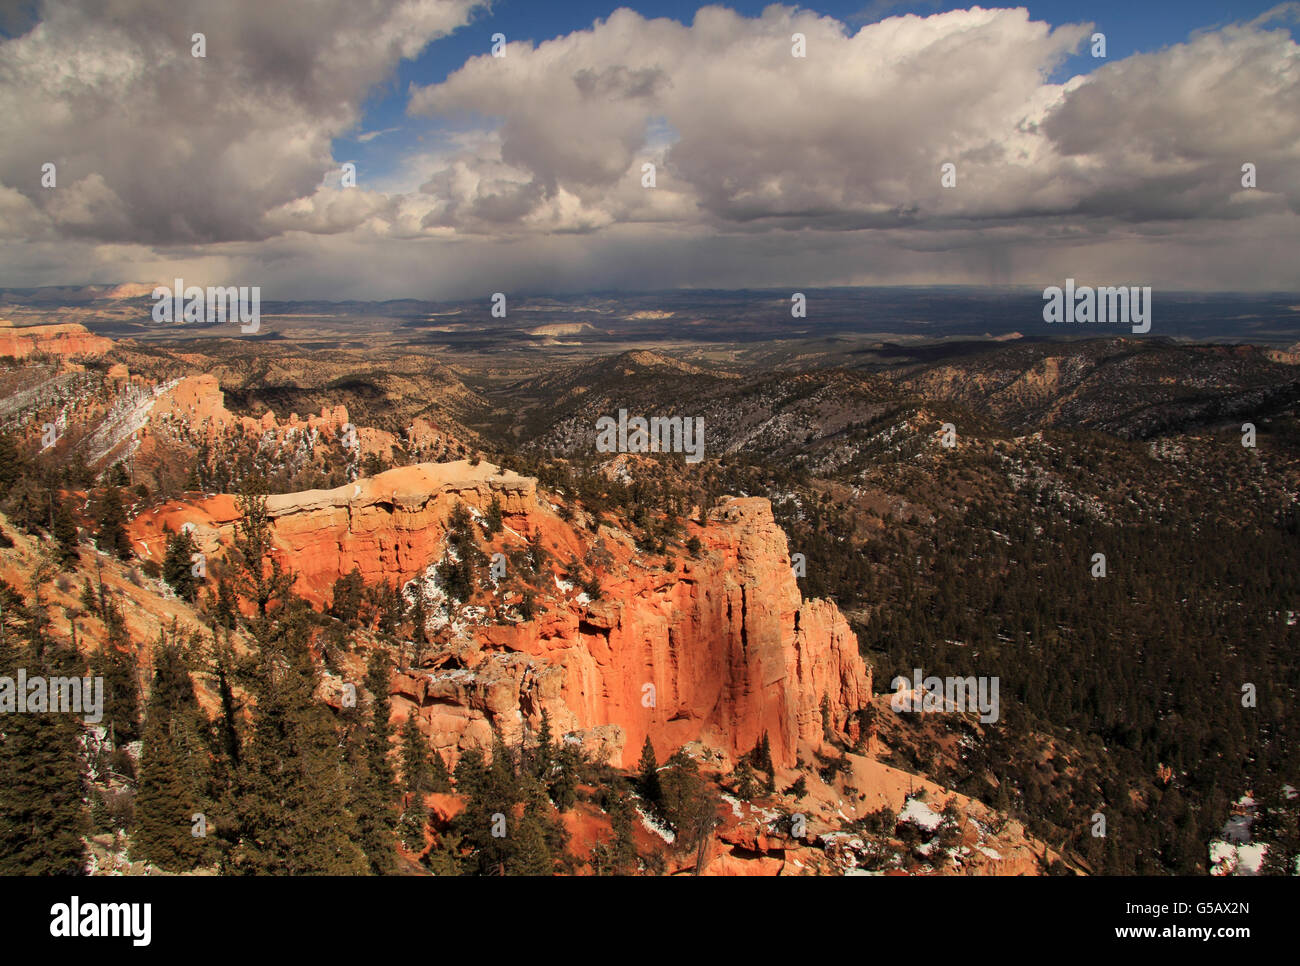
x: 293, y: 811
x: 492, y: 793
x: 530, y: 852
x: 417, y: 769
x: 178, y: 565
x: 164, y: 805
x: 411, y: 824
x: 376, y: 798
x: 349, y: 592
x: 444, y: 858
x: 65, y: 536
x: 260, y: 577
x: 42, y: 778
x: 618, y: 855
x: 564, y: 781
x: 649, y: 768
x: 121, y: 690
x: 175, y: 770
x: 493, y: 517
x: 544, y: 753
x: 110, y: 530
x: 471, y: 773
x: 689, y: 803
x: 423, y: 769
x: 225, y: 612
x: 441, y: 777
x: 745, y: 781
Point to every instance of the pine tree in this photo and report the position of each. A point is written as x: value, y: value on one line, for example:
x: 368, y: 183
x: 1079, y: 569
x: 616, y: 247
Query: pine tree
x: 417, y: 769
x: 292, y: 811
x: 1281, y: 828
x: 530, y: 852
x: 42, y: 780
x: 649, y: 768
x: 225, y: 612
x: 622, y: 853
x: 688, y: 803
x: 110, y: 530
x: 375, y: 805
x: 121, y: 692
x: 503, y: 773
x: 471, y: 773
x: 444, y: 858
x: 544, y: 753
x: 411, y: 824
x: 175, y: 771
x: 65, y: 536
x: 485, y: 800
x: 564, y: 782
x: 164, y: 806
x: 177, y: 568
x: 349, y: 591
x: 441, y: 777
x: 260, y: 576
x: 493, y: 517
x: 423, y: 769
x: 12, y: 464
x: 745, y: 781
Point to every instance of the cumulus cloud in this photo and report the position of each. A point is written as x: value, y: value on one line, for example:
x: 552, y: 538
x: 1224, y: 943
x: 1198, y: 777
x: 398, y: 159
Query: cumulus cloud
x: 854, y: 135
x: 769, y: 168
x: 154, y: 145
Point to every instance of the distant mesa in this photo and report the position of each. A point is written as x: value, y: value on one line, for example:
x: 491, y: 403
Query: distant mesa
x: 561, y: 328
x: 131, y: 290
x: 65, y: 339
x: 648, y: 359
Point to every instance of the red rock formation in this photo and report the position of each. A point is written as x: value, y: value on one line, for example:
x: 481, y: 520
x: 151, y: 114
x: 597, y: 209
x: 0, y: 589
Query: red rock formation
x: 390, y: 526
x: 720, y: 649
x: 69, y: 339
x: 728, y: 646
x: 199, y: 401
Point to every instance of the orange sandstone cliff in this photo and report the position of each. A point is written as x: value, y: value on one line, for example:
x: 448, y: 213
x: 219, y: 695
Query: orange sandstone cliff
x: 718, y: 647
x: 68, y: 339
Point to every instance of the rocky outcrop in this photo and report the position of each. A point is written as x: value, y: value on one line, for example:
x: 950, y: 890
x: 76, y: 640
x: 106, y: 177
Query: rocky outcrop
x: 391, y: 526
x: 199, y: 402
x: 717, y: 647
x: 68, y: 339
x: 723, y: 649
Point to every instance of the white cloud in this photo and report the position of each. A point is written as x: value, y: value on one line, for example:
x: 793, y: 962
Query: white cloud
x: 154, y: 145
x: 770, y: 169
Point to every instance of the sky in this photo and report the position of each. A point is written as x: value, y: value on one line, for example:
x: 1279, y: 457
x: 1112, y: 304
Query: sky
x: 527, y: 172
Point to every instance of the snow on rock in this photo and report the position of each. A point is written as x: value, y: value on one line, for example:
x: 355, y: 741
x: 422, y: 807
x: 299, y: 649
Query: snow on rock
x: 655, y: 826
x: 129, y: 415
x: 919, y: 814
